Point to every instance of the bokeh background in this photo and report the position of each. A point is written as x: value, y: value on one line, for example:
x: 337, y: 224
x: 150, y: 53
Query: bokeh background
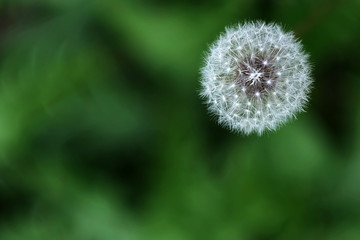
x: 103, y: 135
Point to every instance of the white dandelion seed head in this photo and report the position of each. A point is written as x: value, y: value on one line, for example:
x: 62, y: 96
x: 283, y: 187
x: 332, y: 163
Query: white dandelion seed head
x: 256, y: 77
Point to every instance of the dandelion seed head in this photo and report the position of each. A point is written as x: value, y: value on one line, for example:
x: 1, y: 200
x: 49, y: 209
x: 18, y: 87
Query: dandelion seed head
x: 265, y: 69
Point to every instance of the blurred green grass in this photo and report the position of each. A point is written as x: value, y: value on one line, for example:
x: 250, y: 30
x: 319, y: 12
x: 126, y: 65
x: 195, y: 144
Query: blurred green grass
x: 103, y: 135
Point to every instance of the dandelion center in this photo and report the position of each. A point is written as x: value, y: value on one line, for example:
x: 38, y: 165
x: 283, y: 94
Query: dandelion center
x: 256, y: 75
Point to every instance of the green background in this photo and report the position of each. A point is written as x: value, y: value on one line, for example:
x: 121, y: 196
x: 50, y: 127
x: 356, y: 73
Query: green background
x: 103, y: 135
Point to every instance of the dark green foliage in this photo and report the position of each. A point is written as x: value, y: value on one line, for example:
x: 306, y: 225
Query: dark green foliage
x: 103, y: 135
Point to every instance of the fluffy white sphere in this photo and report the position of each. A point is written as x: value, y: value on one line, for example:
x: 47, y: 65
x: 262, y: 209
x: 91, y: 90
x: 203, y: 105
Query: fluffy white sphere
x: 256, y: 77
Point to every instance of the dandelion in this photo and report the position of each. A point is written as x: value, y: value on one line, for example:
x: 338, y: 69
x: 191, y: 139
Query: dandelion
x: 255, y: 78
